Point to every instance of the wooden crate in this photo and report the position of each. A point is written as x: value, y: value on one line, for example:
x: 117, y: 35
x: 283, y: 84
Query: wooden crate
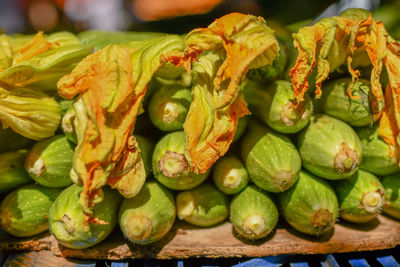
x: 186, y: 241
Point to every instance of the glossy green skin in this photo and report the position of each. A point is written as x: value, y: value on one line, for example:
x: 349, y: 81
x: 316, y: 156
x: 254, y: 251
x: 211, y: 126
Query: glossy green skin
x: 270, y: 72
x: 11, y: 141
x: 253, y: 201
x: 265, y: 153
x: 154, y: 202
x: 267, y: 103
x: 391, y: 184
x: 299, y: 204
x: 146, y: 146
x: 241, y: 128
x: 376, y: 152
x: 12, y: 171
x: 223, y: 167
x: 211, y: 206
x: 321, y: 140
x: 56, y: 154
x: 24, y: 211
x: 350, y: 193
x: 175, y: 142
x: 71, y: 233
x: 173, y: 95
x: 336, y: 102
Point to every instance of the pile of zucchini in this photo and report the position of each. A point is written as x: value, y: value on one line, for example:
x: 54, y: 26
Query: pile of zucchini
x: 314, y: 162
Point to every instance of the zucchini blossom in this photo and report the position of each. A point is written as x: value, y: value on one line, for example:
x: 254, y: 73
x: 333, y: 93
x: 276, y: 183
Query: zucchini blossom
x: 110, y: 85
x: 224, y: 52
x: 353, y: 39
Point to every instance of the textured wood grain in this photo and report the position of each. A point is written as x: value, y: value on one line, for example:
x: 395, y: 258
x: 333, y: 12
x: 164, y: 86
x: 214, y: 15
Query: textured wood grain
x: 43, y: 258
x: 186, y: 241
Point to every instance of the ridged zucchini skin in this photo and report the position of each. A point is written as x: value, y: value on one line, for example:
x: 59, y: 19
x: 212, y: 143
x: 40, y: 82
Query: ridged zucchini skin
x: 148, y: 216
x: 202, y: 206
x: 391, y: 183
x: 271, y: 159
x: 310, y: 206
x: 361, y: 110
x: 66, y: 218
x: 169, y: 106
x: 49, y: 162
x: 274, y: 105
x: 329, y: 148
x: 230, y: 175
x: 24, y: 212
x: 253, y: 213
x: 12, y: 171
x: 361, y: 197
x: 378, y: 157
x: 169, y: 159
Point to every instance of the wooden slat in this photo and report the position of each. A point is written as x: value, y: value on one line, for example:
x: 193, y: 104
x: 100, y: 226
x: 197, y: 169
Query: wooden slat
x: 185, y: 241
x: 43, y: 259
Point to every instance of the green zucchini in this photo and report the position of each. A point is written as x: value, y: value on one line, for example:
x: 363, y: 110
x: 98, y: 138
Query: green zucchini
x: 148, y: 216
x: 272, y: 161
x: 12, y: 171
x: 203, y: 206
x: 330, y: 148
x: 253, y: 213
x: 391, y: 183
x: 49, y: 162
x: 274, y: 105
x: 169, y: 106
x: 67, y: 219
x: 360, y: 109
x: 229, y: 174
x: 24, y: 212
x: 310, y: 206
x: 361, y: 197
x: 170, y: 165
x: 378, y: 157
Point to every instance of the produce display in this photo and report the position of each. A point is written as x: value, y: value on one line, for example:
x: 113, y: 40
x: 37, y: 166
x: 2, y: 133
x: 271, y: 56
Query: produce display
x: 228, y: 122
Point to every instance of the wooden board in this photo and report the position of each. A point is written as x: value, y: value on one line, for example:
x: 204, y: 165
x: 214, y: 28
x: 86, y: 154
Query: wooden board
x: 185, y: 241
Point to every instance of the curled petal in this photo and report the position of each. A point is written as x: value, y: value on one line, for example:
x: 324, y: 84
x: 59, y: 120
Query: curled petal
x: 30, y: 113
x: 235, y: 43
x: 111, y: 84
x: 354, y: 38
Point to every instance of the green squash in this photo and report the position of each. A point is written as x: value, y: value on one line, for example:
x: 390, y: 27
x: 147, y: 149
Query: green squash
x: 253, y: 213
x: 360, y: 110
x: 230, y: 175
x: 391, y: 183
x: 170, y: 165
x: 203, y: 206
x: 274, y: 105
x: 361, y: 197
x: 49, y: 162
x: 24, y: 212
x: 378, y: 157
x: 330, y: 148
x: 12, y: 170
x: 169, y: 106
x: 148, y: 216
x: 271, y: 159
x: 310, y: 206
x: 67, y: 219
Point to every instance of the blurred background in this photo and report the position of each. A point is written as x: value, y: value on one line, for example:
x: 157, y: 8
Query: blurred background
x: 173, y: 16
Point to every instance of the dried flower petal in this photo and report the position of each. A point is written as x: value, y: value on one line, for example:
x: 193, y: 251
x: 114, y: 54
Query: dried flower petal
x: 238, y: 42
x: 354, y: 39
